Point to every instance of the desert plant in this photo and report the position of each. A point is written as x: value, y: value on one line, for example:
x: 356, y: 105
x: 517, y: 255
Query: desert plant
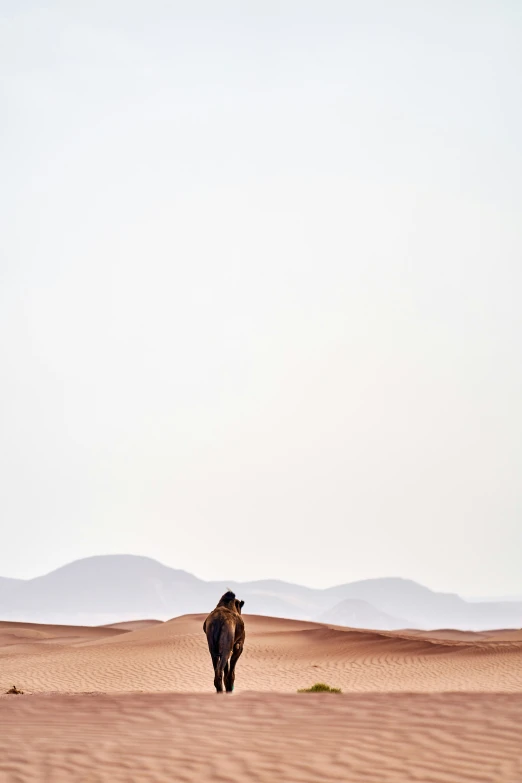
x: 320, y: 687
x: 14, y: 690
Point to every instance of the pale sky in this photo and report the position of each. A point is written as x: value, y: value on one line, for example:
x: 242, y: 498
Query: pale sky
x: 260, y: 288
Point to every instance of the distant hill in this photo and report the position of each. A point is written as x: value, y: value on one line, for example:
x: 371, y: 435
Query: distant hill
x: 427, y: 609
x: 355, y: 613
x: 117, y: 588
x: 494, y: 599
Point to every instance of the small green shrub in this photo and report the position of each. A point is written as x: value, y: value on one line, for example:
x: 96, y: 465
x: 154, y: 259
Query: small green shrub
x: 320, y: 687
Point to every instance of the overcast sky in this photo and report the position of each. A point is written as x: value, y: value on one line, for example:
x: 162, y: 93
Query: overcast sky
x: 260, y: 288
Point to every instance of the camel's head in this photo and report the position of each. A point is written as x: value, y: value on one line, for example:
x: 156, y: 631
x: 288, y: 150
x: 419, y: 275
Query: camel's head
x: 229, y: 600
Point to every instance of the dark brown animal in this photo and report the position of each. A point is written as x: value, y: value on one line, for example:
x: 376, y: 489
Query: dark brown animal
x: 225, y: 632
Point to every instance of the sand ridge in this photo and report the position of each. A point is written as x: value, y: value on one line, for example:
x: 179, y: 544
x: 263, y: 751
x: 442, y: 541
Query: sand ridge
x: 280, y: 656
x: 134, y: 701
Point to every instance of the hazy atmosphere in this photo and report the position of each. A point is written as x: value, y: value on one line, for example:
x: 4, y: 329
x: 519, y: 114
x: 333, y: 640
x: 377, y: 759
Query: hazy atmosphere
x: 260, y: 283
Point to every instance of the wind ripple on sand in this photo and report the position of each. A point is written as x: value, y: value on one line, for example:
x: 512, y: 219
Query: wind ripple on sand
x: 261, y: 738
x: 280, y: 655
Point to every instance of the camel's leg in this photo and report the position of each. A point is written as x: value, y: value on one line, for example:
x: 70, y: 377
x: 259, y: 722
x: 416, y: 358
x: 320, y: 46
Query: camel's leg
x: 222, y: 651
x: 229, y: 681
x: 218, y: 678
x: 220, y: 668
x: 218, y: 674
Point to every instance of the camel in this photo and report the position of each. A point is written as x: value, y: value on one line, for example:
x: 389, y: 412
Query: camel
x: 225, y: 632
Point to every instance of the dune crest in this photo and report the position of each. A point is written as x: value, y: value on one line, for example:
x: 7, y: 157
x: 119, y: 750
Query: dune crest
x: 280, y: 655
x: 121, y: 702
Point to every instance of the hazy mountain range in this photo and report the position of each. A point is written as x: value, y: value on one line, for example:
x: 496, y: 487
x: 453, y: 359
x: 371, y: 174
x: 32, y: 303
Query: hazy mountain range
x: 110, y: 588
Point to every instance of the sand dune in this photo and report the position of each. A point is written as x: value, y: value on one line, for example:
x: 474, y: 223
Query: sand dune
x: 447, y: 634
x: 28, y: 634
x: 132, y: 625
x: 262, y: 738
x: 121, y: 703
x: 280, y: 655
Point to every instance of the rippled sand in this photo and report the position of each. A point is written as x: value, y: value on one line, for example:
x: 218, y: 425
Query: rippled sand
x: 260, y: 737
x: 438, y: 707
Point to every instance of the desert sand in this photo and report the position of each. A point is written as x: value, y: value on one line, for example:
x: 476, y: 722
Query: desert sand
x: 135, y: 701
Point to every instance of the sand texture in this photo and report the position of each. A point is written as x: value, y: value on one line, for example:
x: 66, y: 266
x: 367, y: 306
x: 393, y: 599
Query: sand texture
x: 262, y: 738
x: 135, y: 702
x: 280, y: 655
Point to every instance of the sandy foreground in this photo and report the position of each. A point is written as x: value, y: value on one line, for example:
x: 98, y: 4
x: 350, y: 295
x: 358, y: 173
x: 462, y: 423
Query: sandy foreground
x: 135, y: 702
